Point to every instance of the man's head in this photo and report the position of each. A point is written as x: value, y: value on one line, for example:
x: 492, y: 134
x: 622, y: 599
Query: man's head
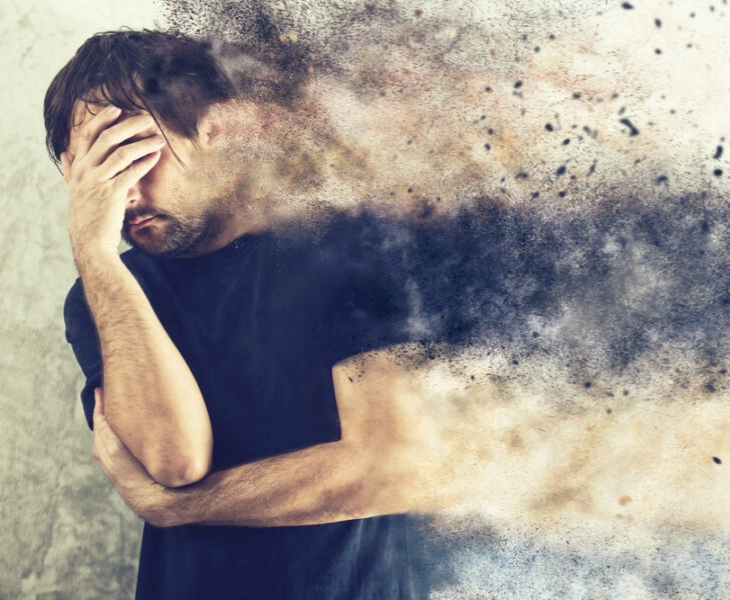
x: 173, y: 77
x: 180, y: 82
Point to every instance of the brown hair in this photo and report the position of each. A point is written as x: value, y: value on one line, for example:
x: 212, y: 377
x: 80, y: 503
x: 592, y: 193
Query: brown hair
x: 172, y: 76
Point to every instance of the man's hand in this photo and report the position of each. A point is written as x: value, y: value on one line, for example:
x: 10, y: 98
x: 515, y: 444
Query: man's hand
x: 105, y: 160
x: 143, y: 494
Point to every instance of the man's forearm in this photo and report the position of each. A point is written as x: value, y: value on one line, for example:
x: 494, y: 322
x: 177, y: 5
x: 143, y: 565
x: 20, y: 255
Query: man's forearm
x: 151, y: 399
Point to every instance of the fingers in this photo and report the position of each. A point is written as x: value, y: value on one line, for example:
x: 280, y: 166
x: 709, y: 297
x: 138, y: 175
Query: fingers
x: 92, y: 127
x: 127, y: 155
x: 127, y: 131
x: 98, y: 400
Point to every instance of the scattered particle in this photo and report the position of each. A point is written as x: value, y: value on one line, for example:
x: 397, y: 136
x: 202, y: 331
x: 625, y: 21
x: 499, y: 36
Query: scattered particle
x: 723, y: 371
x: 351, y: 380
x: 515, y: 361
x: 592, y: 169
x: 561, y: 170
x: 535, y: 195
x: 576, y: 95
x: 632, y: 130
x: 710, y: 388
x: 418, y: 12
x: 490, y: 131
x: 587, y: 384
x: 566, y: 141
x: 562, y: 193
x: 627, y: 6
x: 608, y: 411
x: 716, y: 460
x: 658, y: 51
x: 487, y: 89
x: 521, y: 175
x: 472, y: 377
x: 536, y: 48
x: 535, y: 334
x: 658, y: 22
x: 482, y: 117
x: 624, y: 500
x: 717, y: 172
x: 487, y: 147
x: 691, y: 15
x: 549, y: 126
x: 626, y: 392
x: 661, y: 179
x: 410, y: 190
x: 718, y: 152
x: 518, y: 85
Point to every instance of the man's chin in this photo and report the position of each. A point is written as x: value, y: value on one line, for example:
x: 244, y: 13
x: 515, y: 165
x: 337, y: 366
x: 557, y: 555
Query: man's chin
x: 154, y: 242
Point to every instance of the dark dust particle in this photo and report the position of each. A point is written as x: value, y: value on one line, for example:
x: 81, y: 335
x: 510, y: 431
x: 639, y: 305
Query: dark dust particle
x: 716, y: 460
x: 521, y: 175
x: 718, y: 153
x: 627, y: 6
x: 482, y: 117
x: 410, y: 190
x: 608, y: 411
x: 626, y: 392
x: 418, y: 12
x: 561, y: 170
x: 587, y: 384
x: 515, y: 361
x: 562, y: 194
x: 566, y: 141
x: 518, y: 85
x: 576, y: 95
x: 487, y: 89
x: 632, y: 130
x: 536, y: 48
x: 487, y: 147
x: 723, y: 371
x: 717, y: 172
x: 592, y: 169
x: 658, y: 51
x: 661, y: 179
x: 710, y: 388
x: 535, y: 195
x: 490, y: 131
x: 658, y: 22
x: 549, y: 126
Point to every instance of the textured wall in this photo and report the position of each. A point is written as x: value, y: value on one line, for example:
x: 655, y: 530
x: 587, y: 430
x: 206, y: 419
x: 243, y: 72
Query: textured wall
x: 65, y: 534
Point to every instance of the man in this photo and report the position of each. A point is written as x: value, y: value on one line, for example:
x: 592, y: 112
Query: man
x: 208, y: 347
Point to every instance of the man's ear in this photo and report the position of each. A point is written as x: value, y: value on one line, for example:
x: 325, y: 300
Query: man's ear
x: 211, y: 125
x: 230, y: 121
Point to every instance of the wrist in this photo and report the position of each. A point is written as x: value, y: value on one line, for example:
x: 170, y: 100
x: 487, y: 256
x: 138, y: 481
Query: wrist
x: 88, y: 257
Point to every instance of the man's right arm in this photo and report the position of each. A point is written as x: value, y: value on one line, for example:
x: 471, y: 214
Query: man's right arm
x: 153, y: 402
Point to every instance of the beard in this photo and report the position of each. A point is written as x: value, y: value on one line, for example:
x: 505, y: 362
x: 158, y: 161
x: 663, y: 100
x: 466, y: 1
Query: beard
x: 169, y: 235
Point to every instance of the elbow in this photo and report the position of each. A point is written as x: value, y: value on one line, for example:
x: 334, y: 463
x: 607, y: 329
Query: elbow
x: 182, y: 472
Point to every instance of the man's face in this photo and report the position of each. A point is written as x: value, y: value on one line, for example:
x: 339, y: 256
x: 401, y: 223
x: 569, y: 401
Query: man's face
x: 175, y: 209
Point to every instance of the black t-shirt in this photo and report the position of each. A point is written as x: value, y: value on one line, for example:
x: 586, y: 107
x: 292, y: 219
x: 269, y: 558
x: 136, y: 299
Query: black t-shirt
x: 260, y: 324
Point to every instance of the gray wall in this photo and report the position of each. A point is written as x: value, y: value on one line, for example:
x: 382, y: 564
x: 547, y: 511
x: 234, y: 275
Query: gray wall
x: 59, y: 538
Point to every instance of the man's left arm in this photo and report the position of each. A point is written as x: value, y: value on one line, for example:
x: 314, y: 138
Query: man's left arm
x: 376, y: 468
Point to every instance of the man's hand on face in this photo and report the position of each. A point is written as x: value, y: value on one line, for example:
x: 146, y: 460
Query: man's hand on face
x: 106, y: 159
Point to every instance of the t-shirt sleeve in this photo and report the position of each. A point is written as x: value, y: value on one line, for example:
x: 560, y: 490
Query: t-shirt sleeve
x: 81, y: 334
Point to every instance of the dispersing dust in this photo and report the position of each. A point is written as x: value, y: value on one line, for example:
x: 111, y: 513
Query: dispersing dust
x: 545, y: 184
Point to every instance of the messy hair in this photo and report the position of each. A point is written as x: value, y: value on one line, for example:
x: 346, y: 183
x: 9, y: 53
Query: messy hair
x: 174, y: 77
